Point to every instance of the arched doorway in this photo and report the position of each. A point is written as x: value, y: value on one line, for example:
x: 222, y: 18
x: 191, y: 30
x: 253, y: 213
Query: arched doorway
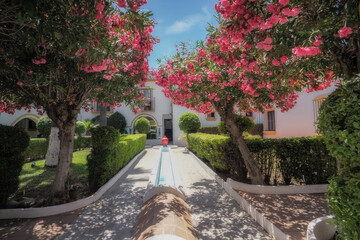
x: 154, y: 128
x: 29, y: 126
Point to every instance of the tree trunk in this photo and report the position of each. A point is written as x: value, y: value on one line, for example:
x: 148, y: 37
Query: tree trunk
x: 61, y: 184
x: 103, y: 119
x: 228, y: 116
x: 52, y: 154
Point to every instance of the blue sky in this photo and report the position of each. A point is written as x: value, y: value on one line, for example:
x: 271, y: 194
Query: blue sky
x: 179, y: 21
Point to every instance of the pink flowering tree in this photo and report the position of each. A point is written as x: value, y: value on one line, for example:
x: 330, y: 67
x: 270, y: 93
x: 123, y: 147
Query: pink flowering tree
x: 249, y: 63
x: 65, y: 54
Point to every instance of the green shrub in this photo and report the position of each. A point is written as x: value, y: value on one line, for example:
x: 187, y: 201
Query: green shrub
x: 189, y: 122
x: 142, y: 125
x: 339, y: 122
x: 118, y: 121
x: 44, y: 126
x: 257, y: 130
x: 209, y: 130
x: 245, y: 124
x: 37, y: 149
x: 80, y: 128
x: 82, y: 142
x: 13, y: 142
x: 222, y: 128
x: 306, y: 160
x: 110, y: 153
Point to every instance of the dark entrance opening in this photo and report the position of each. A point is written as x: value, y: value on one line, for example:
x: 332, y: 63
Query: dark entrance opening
x: 168, y: 129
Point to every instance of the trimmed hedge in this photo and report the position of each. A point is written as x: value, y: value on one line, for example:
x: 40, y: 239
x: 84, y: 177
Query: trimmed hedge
x: 209, y: 130
x: 38, y: 147
x: 110, y: 153
x: 306, y: 160
x: 13, y: 142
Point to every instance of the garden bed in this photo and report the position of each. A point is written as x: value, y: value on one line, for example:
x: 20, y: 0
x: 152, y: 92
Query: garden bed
x: 35, y: 181
x: 291, y: 213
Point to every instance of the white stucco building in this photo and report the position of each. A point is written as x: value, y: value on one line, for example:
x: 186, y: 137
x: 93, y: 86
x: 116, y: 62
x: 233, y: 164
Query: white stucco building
x: 164, y: 117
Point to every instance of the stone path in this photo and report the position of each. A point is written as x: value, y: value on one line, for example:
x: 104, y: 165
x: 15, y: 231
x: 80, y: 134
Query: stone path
x: 115, y: 215
x: 215, y: 215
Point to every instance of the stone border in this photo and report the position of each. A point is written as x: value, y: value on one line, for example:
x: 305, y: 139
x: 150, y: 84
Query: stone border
x: 319, y: 229
x: 68, y: 207
x: 274, y: 231
x: 292, y: 189
x: 165, y: 237
x: 153, y: 190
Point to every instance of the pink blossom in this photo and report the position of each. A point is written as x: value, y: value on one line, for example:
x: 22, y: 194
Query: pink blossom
x: 275, y: 62
x: 273, y: 8
x: 274, y: 19
x: 284, y: 2
x: 283, y: 59
x: 100, y: 6
x: 46, y: 15
x: 30, y: 72
x: 42, y: 60
x: 291, y: 12
x: 345, y: 32
x: 121, y: 3
x: 317, y: 43
x: 19, y: 83
x: 306, y: 51
x: 283, y: 20
x: 107, y: 77
x: 266, y: 44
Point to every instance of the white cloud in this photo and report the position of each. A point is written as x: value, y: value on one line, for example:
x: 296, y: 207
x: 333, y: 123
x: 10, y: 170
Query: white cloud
x: 188, y: 22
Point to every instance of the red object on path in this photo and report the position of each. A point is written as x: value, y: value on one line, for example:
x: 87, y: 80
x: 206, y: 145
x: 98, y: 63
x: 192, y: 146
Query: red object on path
x: 165, y: 141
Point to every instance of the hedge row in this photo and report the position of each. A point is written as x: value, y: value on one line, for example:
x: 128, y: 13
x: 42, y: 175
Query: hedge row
x: 13, y: 142
x: 305, y: 160
x: 111, y: 151
x: 38, y: 147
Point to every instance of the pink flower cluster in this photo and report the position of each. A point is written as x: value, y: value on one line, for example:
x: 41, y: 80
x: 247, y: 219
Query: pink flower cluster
x: 40, y: 61
x: 306, y: 51
x: 345, y: 32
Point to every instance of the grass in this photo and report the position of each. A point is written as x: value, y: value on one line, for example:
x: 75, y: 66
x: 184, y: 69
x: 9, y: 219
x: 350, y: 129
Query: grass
x: 36, y: 181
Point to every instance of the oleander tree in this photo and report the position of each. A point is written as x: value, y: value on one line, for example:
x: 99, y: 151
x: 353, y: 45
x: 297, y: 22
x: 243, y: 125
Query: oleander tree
x: 255, y: 59
x: 324, y: 33
x: 62, y: 55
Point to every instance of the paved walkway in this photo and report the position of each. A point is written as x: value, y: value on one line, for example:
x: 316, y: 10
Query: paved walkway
x: 215, y: 215
x: 115, y: 215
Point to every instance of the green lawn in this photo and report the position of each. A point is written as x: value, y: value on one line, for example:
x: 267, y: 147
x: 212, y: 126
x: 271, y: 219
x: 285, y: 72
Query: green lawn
x: 35, y: 181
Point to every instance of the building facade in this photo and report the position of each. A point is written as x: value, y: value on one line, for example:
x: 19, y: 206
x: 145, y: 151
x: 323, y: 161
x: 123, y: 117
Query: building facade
x: 164, y: 117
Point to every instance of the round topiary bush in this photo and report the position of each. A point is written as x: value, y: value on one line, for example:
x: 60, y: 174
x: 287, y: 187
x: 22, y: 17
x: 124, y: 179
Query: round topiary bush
x: 118, y: 121
x: 142, y: 125
x: 245, y: 124
x: 189, y: 122
x: 339, y: 123
x: 80, y: 128
x: 13, y: 142
x: 44, y: 126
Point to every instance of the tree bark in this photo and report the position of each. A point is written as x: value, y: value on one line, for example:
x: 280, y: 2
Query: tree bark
x: 52, y: 154
x: 103, y: 119
x: 61, y: 184
x: 227, y: 115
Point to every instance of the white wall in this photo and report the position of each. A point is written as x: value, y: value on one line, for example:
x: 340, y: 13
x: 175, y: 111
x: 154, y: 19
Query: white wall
x: 298, y: 121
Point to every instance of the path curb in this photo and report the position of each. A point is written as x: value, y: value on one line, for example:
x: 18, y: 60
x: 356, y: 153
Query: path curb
x: 292, y: 189
x: 68, y: 207
x: 274, y: 231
